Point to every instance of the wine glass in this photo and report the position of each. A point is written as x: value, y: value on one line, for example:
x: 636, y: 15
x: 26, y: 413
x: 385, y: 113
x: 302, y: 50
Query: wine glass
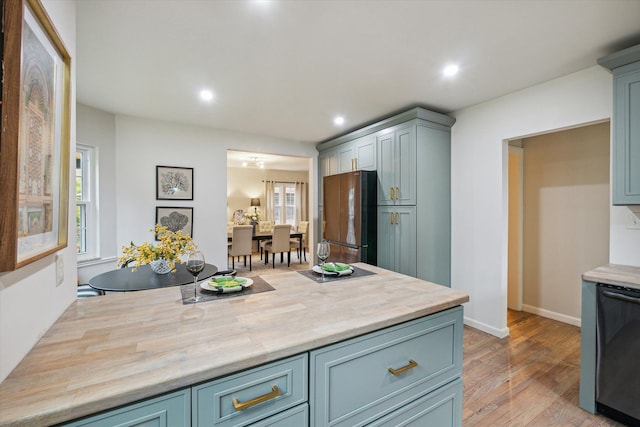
x: 323, y: 253
x: 195, y: 264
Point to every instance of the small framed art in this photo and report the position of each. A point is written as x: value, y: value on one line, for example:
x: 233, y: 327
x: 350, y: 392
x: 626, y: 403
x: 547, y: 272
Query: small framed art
x: 175, y: 219
x: 174, y: 183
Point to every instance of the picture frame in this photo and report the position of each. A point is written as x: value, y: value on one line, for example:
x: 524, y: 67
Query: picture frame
x: 34, y: 153
x: 176, y: 218
x: 174, y: 183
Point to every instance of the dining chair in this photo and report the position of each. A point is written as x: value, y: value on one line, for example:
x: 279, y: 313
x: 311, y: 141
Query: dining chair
x: 303, y: 227
x: 241, y: 238
x: 280, y: 243
x: 264, y: 227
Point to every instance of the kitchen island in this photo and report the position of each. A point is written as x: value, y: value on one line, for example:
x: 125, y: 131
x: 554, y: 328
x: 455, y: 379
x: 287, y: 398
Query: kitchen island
x: 117, y: 349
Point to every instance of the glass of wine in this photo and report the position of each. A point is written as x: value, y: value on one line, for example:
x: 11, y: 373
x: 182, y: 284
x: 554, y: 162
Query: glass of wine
x: 323, y: 254
x: 195, y: 264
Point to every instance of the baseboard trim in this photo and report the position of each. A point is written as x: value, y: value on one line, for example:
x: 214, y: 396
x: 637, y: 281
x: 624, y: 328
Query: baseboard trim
x: 500, y: 333
x: 552, y: 315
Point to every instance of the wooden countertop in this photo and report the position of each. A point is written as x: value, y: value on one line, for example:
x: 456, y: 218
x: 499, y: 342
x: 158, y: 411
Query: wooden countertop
x: 115, y: 349
x: 615, y: 274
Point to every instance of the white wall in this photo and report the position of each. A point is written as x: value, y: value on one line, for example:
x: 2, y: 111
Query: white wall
x: 143, y: 144
x: 479, y: 183
x: 97, y: 128
x: 30, y: 301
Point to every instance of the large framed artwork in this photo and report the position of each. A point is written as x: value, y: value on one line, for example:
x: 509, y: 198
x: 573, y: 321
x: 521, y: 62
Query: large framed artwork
x: 34, y: 153
x: 176, y: 218
x: 174, y: 183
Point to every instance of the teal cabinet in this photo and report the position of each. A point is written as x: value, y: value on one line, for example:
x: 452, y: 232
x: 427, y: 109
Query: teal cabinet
x: 381, y: 377
x: 411, y: 154
x: 252, y: 396
x: 359, y: 154
x: 625, y: 175
x: 397, y: 166
x: 173, y: 409
x: 397, y: 239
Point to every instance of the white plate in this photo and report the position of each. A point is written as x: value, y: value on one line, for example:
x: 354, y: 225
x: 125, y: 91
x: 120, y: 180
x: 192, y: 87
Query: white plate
x: 318, y: 269
x: 206, y: 286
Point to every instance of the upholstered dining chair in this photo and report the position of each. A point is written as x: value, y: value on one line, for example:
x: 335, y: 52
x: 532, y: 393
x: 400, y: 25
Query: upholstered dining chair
x: 303, y: 227
x: 241, y: 238
x: 280, y: 243
x: 264, y: 227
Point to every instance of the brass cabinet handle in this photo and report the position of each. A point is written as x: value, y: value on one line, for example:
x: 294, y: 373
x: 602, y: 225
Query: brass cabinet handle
x: 396, y: 215
x: 390, y: 217
x: 275, y: 392
x: 396, y: 193
x: 412, y: 364
x: 390, y: 193
x: 355, y: 164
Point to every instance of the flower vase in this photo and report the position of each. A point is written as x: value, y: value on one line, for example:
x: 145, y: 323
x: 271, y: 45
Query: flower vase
x: 253, y: 223
x: 160, y: 266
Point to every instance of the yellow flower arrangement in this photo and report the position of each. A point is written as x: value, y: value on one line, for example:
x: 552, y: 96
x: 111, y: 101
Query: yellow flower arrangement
x: 172, y: 245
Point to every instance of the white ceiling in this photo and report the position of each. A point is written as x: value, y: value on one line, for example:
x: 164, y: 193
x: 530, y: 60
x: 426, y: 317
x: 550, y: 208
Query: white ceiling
x: 284, y: 68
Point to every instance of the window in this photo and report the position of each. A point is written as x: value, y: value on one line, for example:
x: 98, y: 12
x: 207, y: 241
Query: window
x: 284, y: 203
x: 86, y: 224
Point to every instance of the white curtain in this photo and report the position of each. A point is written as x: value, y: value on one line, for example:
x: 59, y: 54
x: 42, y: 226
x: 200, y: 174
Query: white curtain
x: 269, y: 191
x: 301, y: 201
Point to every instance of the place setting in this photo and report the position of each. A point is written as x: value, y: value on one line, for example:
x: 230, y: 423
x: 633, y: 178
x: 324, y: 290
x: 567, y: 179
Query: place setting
x: 331, y: 271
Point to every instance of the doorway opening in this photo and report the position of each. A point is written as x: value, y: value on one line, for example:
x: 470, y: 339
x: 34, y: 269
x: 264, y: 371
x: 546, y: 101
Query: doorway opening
x: 269, y: 188
x: 558, y: 218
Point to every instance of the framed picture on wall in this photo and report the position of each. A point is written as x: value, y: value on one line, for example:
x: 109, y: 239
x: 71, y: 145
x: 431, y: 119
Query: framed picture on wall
x: 35, y: 146
x: 175, y: 218
x: 174, y: 183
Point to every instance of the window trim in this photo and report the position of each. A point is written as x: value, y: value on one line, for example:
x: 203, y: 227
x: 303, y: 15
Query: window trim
x: 90, y: 193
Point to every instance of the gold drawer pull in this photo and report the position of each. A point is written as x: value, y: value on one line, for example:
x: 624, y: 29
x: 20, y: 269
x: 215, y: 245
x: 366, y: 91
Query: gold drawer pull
x: 412, y: 364
x: 241, y: 406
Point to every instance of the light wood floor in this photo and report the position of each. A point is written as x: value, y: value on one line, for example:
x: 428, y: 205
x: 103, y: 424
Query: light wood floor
x: 530, y: 378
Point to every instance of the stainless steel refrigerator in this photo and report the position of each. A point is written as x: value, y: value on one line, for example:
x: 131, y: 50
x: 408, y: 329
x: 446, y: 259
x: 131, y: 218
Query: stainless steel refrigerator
x: 350, y: 216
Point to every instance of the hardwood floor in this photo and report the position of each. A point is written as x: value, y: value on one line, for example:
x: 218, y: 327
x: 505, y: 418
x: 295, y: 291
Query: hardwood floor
x: 259, y: 267
x: 530, y: 378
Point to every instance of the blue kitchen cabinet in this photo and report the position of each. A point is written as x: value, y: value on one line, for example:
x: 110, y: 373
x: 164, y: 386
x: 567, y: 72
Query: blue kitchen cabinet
x: 625, y: 154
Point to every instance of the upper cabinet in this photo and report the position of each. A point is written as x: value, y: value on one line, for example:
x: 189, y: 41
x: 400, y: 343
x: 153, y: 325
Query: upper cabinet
x: 625, y: 175
x: 397, y: 166
x: 359, y: 154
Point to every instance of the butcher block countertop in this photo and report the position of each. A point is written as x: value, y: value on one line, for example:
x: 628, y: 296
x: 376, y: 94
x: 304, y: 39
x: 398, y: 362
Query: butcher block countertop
x: 115, y: 349
x: 615, y: 274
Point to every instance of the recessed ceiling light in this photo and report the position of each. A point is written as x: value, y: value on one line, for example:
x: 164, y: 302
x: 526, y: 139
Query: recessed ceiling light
x: 338, y: 121
x: 206, y: 95
x: 450, y: 70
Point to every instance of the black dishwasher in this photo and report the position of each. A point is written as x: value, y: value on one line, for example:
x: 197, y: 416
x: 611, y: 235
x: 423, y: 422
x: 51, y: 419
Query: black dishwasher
x: 618, y: 353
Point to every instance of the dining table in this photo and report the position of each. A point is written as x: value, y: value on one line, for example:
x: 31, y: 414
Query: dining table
x: 142, y: 278
x: 268, y: 235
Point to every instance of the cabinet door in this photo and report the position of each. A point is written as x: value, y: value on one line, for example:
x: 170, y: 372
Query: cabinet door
x: 365, y: 153
x: 405, y: 240
x: 397, y: 239
x: 346, y: 157
x: 386, y: 168
x: 442, y: 408
x: 405, y: 176
x: 397, y: 166
x: 386, y: 238
x: 626, y: 142
x: 173, y: 409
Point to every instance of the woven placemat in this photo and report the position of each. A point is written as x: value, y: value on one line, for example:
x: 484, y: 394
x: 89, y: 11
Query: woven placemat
x: 259, y: 285
x: 357, y: 272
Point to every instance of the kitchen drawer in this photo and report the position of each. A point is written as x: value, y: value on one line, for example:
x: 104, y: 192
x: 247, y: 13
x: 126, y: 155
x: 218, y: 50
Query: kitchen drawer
x: 282, y: 384
x: 168, y: 410
x: 294, y: 417
x: 351, y: 383
x: 442, y: 408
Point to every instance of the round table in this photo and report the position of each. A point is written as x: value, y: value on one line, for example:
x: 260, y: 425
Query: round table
x: 125, y: 280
